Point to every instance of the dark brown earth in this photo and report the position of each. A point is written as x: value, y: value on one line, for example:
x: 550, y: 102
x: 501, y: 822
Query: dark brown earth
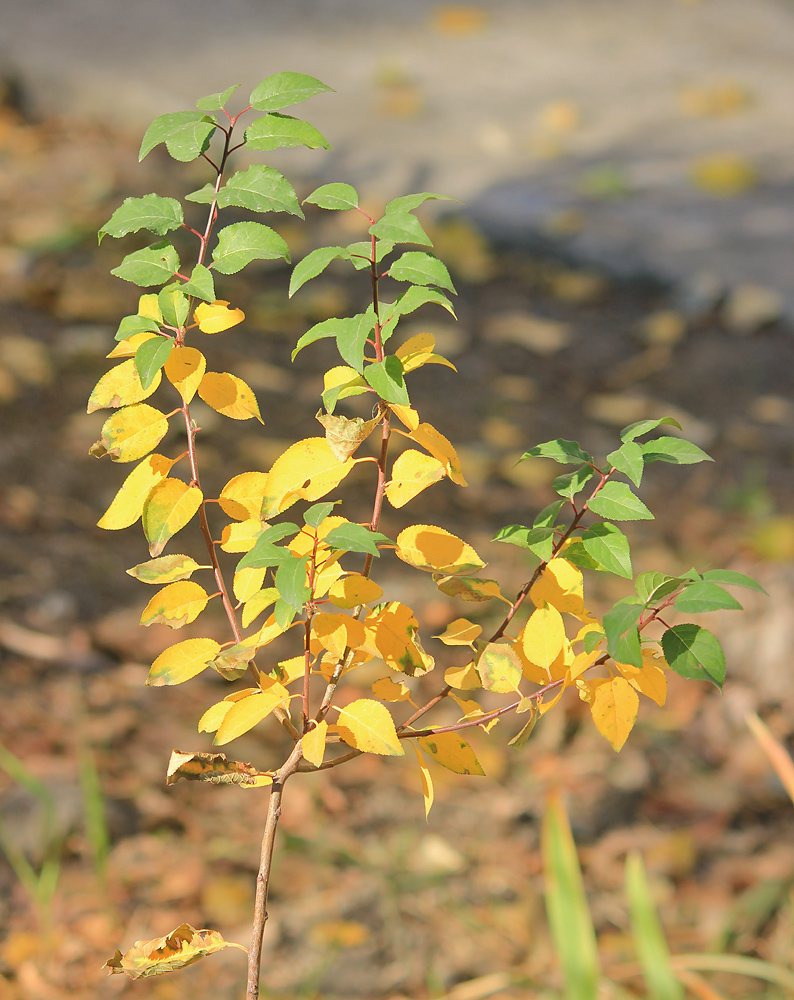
x: 367, y: 899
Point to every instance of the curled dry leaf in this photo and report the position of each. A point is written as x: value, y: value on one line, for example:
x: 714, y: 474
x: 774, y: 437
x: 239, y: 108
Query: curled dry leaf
x: 345, y: 434
x: 183, y: 946
x: 215, y: 768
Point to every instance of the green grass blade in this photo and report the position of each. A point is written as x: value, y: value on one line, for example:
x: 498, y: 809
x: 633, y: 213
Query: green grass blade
x: 94, y: 811
x: 649, y: 939
x: 740, y: 965
x: 570, y: 922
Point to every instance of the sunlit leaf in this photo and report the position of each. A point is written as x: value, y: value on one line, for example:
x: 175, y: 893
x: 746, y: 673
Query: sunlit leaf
x: 561, y: 586
x: 241, y: 498
x: 182, y: 947
x: 307, y: 470
x: 392, y: 634
x: 249, y: 711
x: 185, y: 369
x: 461, y: 632
x: 158, y: 215
x: 275, y: 131
x: 427, y: 781
x: 543, y: 637
x: 182, y: 661
x: 185, y: 133
x: 336, y: 197
x: 499, y: 668
x: 152, y: 266
x: 452, y: 752
x: 354, y: 590
x: 215, y: 317
x: 388, y: 690
x: 165, y: 569
x: 313, y: 743
x: 121, y: 386
x: 243, y: 242
x: 412, y: 472
x: 229, y: 395
x: 282, y: 90
x: 614, y: 709
x: 176, y: 605
x: 168, y: 508
x: 436, y: 550
x: 367, y: 725
x: 133, y: 431
x: 127, y: 505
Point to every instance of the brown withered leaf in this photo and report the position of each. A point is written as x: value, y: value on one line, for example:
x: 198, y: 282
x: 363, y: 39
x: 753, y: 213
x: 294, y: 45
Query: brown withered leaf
x: 213, y: 767
x: 183, y: 946
x: 345, y: 434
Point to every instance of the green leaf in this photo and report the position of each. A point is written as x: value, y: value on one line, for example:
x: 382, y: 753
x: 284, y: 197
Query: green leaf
x: 653, y: 586
x: 609, y: 547
x: 260, y: 189
x: 702, y: 597
x: 421, y: 269
x: 694, y: 653
x: 569, y: 484
x: 564, y: 452
x: 400, y: 227
x: 243, y: 242
x: 537, y: 540
x: 548, y: 516
x: 314, y: 263
x: 130, y: 325
x: 158, y: 215
x: 674, y: 450
x: 155, y: 265
x: 265, y: 552
x: 351, y: 339
x: 284, y: 614
x: 278, y: 131
x: 361, y: 253
x: 201, y: 284
x: 386, y: 378
x: 617, y: 501
x: 408, y: 202
x: 173, y: 304
x: 335, y: 197
x: 592, y: 639
x: 652, y: 950
x: 282, y: 90
x: 413, y: 298
x: 640, y: 427
x: 213, y: 102
x: 628, y: 459
x: 290, y: 582
x: 315, y: 515
x: 569, y: 917
x: 203, y: 196
x: 186, y: 134
x: 355, y: 538
x: 730, y: 578
x: 576, y: 553
x: 623, y: 638
x: 355, y: 387
x: 150, y: 358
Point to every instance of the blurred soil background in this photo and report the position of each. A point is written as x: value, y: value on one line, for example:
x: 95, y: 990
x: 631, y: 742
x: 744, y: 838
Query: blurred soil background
x: 623, y: 250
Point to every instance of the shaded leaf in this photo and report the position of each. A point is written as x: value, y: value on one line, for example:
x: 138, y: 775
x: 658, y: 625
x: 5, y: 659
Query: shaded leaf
x: 168, y: 508
x: 461, y: 632
x: 421, y: 269
x: 674, y: 450
x: 213, y: 102
x: 313, y: 743
x: 641, y: 427
x: 614, y: 709
x: 400, y: 227
x: 427, y: 781
x: 560, y: 450
x: 345, y: 434
x: 165, y: 569
x: 186, y: 135
x: 694, y: 653
x: 184, y: 369
x: 620, y: 626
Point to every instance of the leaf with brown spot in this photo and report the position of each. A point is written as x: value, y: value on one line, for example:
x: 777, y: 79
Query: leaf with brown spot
x: 183, y: 946
x: 215, y: 768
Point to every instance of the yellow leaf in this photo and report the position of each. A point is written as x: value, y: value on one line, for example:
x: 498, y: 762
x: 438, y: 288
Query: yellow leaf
x: 120, y: 386
x: 589, y: 627
x: 328, y: 574
x: 412, y: 472
x: 345, y: 434
x: 388, y: 690
x: 392, y: 634
x: 614, y: 709
x: 451, y: 751
x: 229, y: 395
x: 313, y: 743
x: 440, y: 448
x: 354, y: 590
x: 461, y: 632
x: 307, y: 470
x: 290, y: 670
x: 183, y: 946
x: 248, y: 581
x: 520, y: 739
x: 724, y: 174
x: 367, y: 725
x: 499, y: 668
x: 168, y: 508
x: 560, y: 585
x: 215, y: 714
x: 582, y: 662
x: 427, y: 781
x: 418, y: 351
x: 128, y: 347
x: 269, y: 631
x: 407, y: 415
x: 133, y: 431
x: 436, y: 550
x: 185, y: 369
x: 149, y: 306
x: 176, y: 605
x: 463, y: 678
x: 258, y: 603
x: 543, y: 637
x: 215, y: 317
x: 127, y: 505
x: 242, y: 535
x: 248, y: 712
x: 472, y: 710
x: 337, y: 633
x: 341, y: 375
x: 649, y: 680
x: 182, y: 661
x: 241, y: 498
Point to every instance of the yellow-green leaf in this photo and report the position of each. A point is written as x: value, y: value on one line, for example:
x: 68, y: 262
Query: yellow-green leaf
x: 176, y: 605
x: 411, y: 473
x: 182, y: 661
x: 461, y: 632
x: 499, y: 667
x: 183, y: 946
x: 229, y: 395
x: 120, y: 386
x: 367, y: 725
x: 169, y: 507
x: 427, y: 781
x: 313, y: 743
x: 185, y: 369
x: 436, y: 550
x: 165, y: 569
x: 241, y: 536
x: 133, y: 431
x: 215, y: 317
x: 128, y: 347
x: 468, y: 588
x: 241, y: 498
x: 258, y: 603
x: 127, y: 505
x: 614, y: 709
x: 451, y: 751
